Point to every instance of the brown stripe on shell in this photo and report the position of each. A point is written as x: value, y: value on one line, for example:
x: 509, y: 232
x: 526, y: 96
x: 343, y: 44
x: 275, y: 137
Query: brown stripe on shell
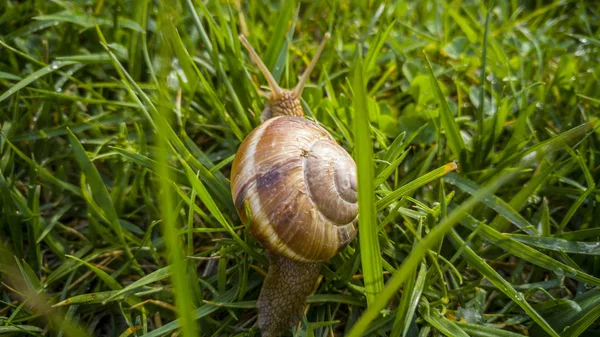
x: 244, y: 169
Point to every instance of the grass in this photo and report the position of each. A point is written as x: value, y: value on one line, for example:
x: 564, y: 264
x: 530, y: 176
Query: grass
x: 474, y: 128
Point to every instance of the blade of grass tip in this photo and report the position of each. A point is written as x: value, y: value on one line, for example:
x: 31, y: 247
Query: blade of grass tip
x: 101, y: 194
x: 155, y: 276
x: 414, y: 258
x: 499, y: 282
x: 413, y: 185
x: 165, y: 198
x: 373, y: 52
x: 367, y: 218
x: 453, y: 136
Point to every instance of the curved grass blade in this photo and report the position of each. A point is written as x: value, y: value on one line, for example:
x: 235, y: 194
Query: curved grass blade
x: 574, y: 207
x: 421, y: 249
x: 215, y: 211
x: 578, y: 327
x: 492, y: 202
x: 107, y: 279
x: 441, y: 323
x: 29, y: 329
x: 499, y: 282
x: 100, y: 297
x: 34, y: 77
x: 525, y: 252
x: 413, y: 185
x: 155, y: 276
x: 477, y: 330
x: 562, y: 245
x: 388, y: 170
x: 100, y: 194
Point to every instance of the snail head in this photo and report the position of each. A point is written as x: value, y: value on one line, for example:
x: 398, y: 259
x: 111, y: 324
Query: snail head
x: 283, y: 102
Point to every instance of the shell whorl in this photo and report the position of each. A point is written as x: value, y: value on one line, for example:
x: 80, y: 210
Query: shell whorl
x: 300, y: 187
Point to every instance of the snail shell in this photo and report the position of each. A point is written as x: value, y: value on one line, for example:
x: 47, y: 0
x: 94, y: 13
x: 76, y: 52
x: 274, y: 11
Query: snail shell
x: 300, y: 188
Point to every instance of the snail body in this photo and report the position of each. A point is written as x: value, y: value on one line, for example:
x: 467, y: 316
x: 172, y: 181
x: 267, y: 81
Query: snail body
x: 299, y: 186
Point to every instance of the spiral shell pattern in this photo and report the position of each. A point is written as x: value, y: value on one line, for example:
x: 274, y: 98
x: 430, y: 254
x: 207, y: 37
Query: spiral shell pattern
x: 299, y: 186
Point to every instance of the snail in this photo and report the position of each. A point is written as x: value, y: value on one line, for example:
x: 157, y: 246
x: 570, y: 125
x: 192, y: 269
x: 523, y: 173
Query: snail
x: 299, y: 186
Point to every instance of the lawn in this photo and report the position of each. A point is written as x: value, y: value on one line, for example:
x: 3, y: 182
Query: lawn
x: 474, y: 127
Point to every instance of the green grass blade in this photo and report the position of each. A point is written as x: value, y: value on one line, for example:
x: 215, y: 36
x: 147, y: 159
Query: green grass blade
x: 441, y: 323
x: 412, y: 261
x: 581, y: 325
x: 525, y: 252
x: 574, y: 207
x: 492, y: 202
x: 170, y: 223
x: 499, y: 282
x: 367, y: 219
x: 477, y: 330
x: 100, y: 192
x: 453, y: 136
x: 99, y: 297
x: 215, y: 211
x: 559, y: 245
x: 34, y: 77
x: 389, y: 169
x: 155, y: 276
x: 413, y: 185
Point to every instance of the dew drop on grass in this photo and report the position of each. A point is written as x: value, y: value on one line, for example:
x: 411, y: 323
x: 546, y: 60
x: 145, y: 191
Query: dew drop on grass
x: 559, y: 272
x: 574, y: 305
x: 520, y: 296
x: 58, y: 89
x: 470, y: 315
x: 55, y: 65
